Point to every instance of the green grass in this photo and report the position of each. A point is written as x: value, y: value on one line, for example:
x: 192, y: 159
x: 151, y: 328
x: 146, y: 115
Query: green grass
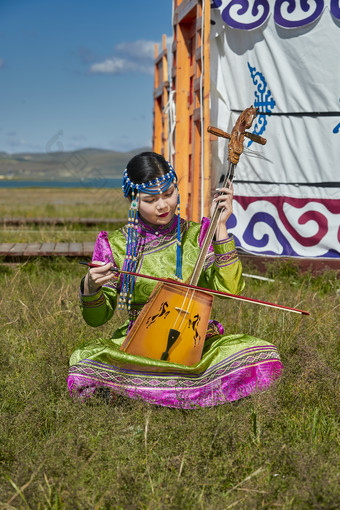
x: 277, y: 449
x: 63, y: 203
x: 59, y: 203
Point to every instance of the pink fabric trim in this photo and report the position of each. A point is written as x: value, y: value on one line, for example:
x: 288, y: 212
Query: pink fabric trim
x: 204, y: 228
x: 203, y: 232
x: 239, y: 384
x: 102, y: 249
x: 218, y: 325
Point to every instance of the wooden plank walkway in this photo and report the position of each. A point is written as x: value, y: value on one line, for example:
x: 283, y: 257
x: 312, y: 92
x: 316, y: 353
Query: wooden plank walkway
x: 25, y: 250
x: 60, y: 221
x: 12, y: 251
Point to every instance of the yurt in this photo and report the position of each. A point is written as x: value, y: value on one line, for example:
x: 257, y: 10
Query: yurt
x: 283, y: 58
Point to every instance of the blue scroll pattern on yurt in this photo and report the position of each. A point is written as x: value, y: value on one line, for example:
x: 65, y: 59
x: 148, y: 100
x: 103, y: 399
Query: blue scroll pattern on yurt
x: 247, y: 15
x: 263, y: 101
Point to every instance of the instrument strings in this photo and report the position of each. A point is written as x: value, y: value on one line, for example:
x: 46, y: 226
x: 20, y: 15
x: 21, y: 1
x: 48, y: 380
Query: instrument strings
x: 229, y: 176
x: 185, y: 309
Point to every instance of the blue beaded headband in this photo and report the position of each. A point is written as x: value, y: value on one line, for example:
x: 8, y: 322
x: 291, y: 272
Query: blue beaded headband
x: 154, y: 187
x: 158, y: 185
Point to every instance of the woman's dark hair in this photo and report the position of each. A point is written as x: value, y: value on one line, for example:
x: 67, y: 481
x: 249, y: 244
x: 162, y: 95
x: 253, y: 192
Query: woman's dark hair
x: 146, y: 167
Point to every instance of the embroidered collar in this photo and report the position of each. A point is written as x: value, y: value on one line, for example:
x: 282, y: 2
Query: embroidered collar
x: 169, y: 228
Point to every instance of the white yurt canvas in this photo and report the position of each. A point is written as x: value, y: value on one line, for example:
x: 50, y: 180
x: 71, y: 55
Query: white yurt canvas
x: 284, y: 58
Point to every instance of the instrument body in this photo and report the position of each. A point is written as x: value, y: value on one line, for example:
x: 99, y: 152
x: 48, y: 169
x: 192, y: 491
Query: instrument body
x: 171, y: 309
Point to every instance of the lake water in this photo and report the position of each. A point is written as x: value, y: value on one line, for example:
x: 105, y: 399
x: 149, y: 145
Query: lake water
x: 90, y: 183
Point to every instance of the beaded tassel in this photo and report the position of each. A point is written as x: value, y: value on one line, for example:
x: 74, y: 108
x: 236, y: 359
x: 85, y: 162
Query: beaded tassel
x: 131, y: 255
x: 179, y: 251
x: 154, y: 187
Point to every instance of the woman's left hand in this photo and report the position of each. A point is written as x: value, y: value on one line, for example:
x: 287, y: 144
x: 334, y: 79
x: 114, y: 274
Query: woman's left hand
x: 224, y: 201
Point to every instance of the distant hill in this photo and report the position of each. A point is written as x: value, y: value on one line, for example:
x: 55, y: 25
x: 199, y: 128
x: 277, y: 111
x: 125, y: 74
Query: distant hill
x: 75, y: 165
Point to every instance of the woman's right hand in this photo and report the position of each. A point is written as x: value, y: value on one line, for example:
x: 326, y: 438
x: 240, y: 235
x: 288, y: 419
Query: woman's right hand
x: 97, y: 276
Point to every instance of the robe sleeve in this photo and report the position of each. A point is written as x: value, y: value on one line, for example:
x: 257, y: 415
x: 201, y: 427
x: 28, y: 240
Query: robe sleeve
x: 98, y: 308
x: 222, y: 267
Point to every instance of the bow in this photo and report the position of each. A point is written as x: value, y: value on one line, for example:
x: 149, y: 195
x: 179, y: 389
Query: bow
x: 208, y: 291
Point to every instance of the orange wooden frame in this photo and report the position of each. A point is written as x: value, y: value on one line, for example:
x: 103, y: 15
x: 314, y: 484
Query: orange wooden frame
x: 192, y: 92
x: 161, y: 84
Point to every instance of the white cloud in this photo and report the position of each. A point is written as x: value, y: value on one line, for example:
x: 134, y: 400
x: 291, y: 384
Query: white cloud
x: 112, y: 65
x: 135, y: 56
x: 140, y: 49
x: 116, y: 65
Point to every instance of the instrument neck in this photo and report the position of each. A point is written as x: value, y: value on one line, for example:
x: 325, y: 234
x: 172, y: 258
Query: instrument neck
x: 211, y: 230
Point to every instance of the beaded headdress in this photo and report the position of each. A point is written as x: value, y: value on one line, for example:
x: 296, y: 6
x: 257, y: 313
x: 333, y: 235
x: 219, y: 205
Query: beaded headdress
x: 154, y: 187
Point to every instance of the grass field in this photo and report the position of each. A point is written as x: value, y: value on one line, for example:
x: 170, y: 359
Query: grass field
x: 58, y: 203
x: 276, y: 449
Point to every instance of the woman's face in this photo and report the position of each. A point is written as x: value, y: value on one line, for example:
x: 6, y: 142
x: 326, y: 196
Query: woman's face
x: 158, y: 209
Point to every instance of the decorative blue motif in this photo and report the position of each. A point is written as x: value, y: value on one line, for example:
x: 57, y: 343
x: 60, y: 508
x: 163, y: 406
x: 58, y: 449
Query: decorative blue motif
x: 296, y: 17
x: 251, y: 14
x: 263, y: 101
x: 335, y: 8
x: 257, y: 13
x: 337, y: 128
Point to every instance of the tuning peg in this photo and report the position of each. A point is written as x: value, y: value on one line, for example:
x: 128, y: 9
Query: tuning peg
x: 223, y: 134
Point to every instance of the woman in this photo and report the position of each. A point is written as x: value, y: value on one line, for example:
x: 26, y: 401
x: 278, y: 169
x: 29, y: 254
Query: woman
x: 157, y: 242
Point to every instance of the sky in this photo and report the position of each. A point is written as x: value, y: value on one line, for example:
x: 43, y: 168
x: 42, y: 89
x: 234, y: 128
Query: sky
x: 78, y: 73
